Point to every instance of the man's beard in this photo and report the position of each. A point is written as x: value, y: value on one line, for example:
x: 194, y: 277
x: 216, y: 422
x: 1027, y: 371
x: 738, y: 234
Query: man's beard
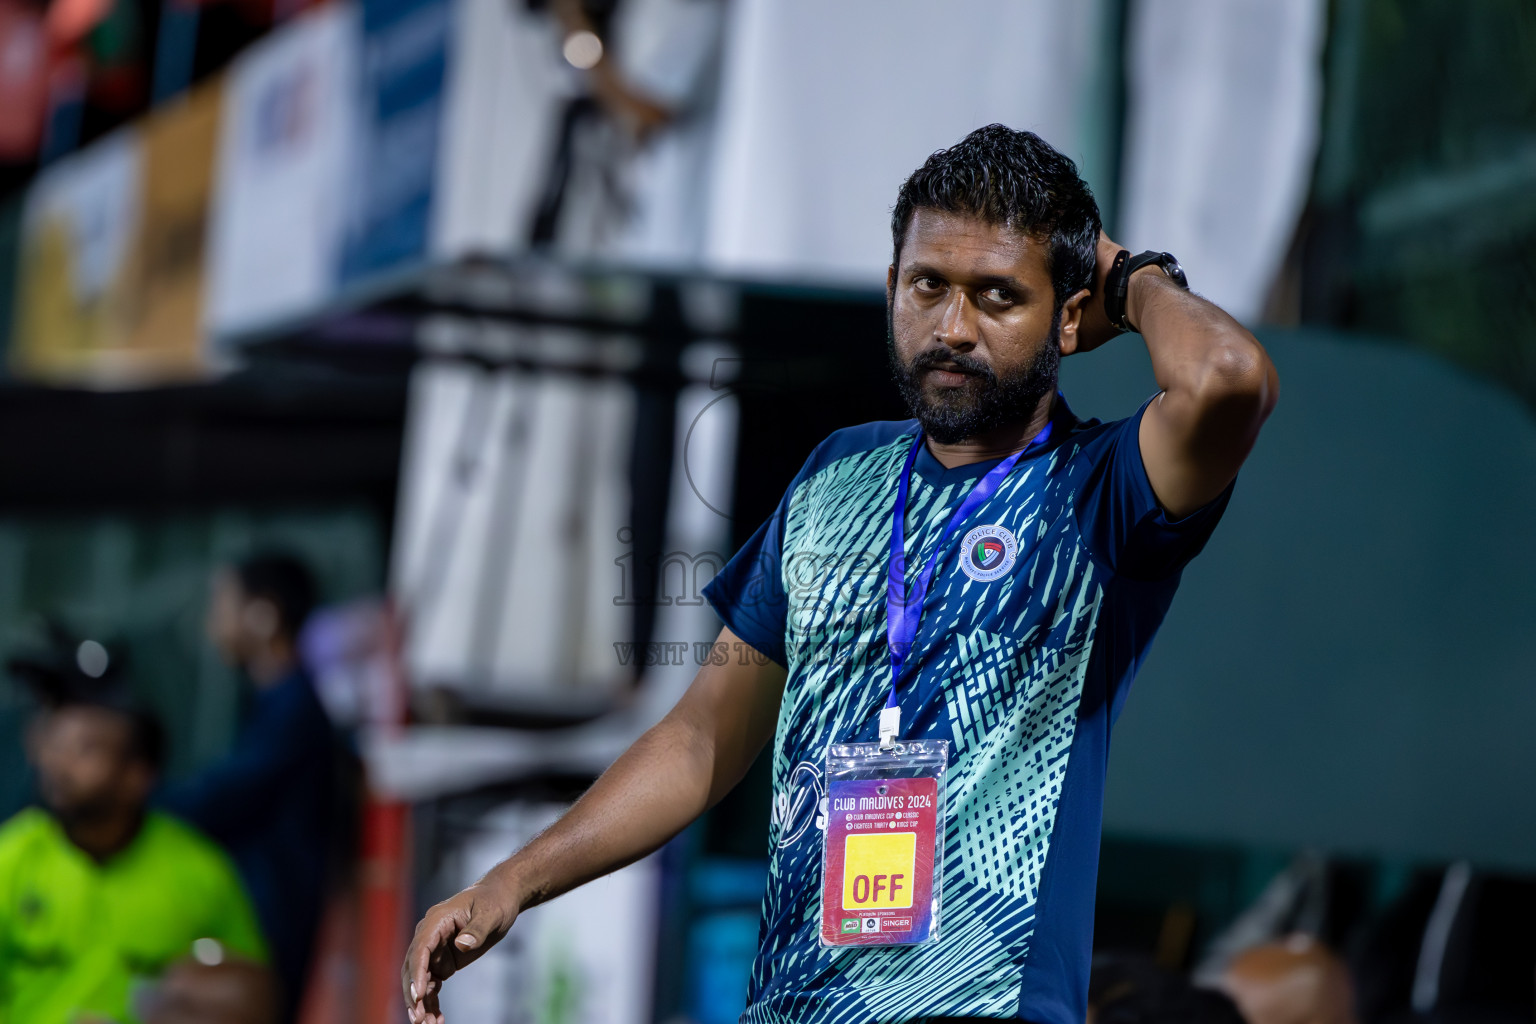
x: 79, y: 812
x: 984, y: 402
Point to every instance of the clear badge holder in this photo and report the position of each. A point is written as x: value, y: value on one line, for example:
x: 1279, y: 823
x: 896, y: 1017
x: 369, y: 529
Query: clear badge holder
x: 884, y: 845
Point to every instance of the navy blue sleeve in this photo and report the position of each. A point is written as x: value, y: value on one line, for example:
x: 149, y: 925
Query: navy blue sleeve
x: 1120, y: 518
x: 748, y: 594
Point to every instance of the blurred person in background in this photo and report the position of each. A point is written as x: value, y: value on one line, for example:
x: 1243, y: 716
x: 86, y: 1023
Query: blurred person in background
x: 1023, y: 654
x: 272, y: 800
x: 101, y: 896
x: 631, y: 156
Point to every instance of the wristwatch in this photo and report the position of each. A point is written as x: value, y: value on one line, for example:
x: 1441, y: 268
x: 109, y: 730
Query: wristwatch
x: 1118, y: 282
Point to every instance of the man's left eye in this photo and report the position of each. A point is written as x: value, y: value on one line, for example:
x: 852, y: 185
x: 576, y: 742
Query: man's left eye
x: 1002, y: 296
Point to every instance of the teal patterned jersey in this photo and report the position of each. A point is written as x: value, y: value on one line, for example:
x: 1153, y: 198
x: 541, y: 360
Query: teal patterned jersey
x: 1043, y: 604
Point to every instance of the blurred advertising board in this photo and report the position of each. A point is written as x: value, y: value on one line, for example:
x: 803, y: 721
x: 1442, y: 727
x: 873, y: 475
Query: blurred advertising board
x: 285, y: 167
x: 179, y: 145
x: 405, y: 46
x: 506, y: 88
x: 78, y: 231
x: 461, y: 103
x: 111, y: 283
x: 511, y: 573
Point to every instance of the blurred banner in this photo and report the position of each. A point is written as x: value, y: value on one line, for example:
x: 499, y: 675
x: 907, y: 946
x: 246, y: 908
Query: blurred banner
x: 112, y: 254
x: 165, y: 338
x: 505, y: 88
x: 285, y: 172
x: 514, y: 492
x: 405, y: 54
x: 80, y: 225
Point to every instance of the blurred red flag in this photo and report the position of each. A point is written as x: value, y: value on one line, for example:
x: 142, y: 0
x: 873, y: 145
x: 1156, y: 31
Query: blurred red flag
x: 23, y: 81
x: 70, y: 21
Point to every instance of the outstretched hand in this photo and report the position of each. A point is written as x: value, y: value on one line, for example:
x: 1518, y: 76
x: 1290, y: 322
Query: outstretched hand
x: 452, y: 935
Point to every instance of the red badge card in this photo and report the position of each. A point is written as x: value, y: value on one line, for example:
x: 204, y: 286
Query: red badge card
x: 881, y: 849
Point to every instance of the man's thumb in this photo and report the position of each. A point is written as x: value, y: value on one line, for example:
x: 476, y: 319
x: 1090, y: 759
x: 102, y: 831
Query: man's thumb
x: 470, y: 937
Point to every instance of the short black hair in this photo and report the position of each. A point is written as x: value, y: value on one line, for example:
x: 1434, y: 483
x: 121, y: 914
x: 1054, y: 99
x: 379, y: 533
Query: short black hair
x: 52, y: 672
x: 283, y: 579
x: 146, y: 733
x: 1018, y: 180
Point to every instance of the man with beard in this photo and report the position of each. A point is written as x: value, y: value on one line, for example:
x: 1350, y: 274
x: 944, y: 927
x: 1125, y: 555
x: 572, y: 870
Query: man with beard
x: 990, y: 573
x: 101, y: 898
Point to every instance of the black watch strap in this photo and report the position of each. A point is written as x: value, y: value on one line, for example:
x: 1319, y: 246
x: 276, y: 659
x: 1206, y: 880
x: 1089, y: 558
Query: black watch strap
x: 1117, y: 283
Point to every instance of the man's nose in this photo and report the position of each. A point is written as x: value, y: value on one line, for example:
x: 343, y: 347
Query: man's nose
x: 957, y: 327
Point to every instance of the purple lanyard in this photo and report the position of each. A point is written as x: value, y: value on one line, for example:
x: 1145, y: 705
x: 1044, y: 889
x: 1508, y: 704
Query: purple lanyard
x: 904, y: 612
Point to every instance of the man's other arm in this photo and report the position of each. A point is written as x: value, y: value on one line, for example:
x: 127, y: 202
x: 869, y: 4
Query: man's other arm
x: 671, y: 775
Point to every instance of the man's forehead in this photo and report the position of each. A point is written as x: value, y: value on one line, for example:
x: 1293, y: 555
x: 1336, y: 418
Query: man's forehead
x: 963, y: 242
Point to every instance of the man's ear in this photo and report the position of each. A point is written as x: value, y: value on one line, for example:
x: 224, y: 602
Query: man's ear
x: 890, y: 282
x: 1072, y: 318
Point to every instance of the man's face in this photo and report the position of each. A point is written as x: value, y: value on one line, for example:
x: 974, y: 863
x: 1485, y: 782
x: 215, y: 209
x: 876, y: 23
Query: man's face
x: 974, y: 340
x: 85, y: 766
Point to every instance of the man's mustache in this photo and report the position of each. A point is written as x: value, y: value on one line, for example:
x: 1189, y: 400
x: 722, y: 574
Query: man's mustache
x: 943, y: 359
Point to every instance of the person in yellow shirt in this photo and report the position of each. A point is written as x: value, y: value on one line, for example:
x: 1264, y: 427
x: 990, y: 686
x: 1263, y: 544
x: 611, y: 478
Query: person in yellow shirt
x: 100, y: 896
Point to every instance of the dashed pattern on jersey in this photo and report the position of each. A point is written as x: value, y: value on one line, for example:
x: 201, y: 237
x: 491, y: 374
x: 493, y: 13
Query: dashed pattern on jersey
x: 997, y: 668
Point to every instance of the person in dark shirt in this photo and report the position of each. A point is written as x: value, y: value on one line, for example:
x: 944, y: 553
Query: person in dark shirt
x: 271, y: 800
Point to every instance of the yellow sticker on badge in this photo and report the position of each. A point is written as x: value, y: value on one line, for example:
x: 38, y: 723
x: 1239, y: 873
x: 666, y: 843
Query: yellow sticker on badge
x: 878, y: 870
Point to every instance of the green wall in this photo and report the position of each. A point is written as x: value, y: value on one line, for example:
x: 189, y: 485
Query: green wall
x: 143, y: 582
x: 1349, y: 664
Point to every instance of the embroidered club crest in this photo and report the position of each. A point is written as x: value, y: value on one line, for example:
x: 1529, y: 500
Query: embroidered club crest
x: 987, y: 553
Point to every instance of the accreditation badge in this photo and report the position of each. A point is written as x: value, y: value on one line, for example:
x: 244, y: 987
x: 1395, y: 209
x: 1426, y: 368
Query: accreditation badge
x: 884, y: 843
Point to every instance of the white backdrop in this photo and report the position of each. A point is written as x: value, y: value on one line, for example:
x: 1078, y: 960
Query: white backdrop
x: 827, y: 107
x: 285, y: 165
x: 1223, y: 107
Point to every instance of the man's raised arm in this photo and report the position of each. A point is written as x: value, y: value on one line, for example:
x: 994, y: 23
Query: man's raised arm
x: 1218, y: 384
x: 671, y: 775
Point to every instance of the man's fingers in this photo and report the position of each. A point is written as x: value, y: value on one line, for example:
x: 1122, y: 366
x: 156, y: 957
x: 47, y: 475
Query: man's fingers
x: 450, y: 935
x: 432, y: 1012
x: 471, y: 941
x: 425, y: 963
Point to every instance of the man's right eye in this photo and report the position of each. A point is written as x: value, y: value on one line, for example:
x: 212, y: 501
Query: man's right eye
x: 928, y: 284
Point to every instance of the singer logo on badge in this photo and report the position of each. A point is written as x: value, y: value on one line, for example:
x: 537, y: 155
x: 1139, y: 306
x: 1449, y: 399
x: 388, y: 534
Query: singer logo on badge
x: 878, y: 871
x: 988, y: 552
